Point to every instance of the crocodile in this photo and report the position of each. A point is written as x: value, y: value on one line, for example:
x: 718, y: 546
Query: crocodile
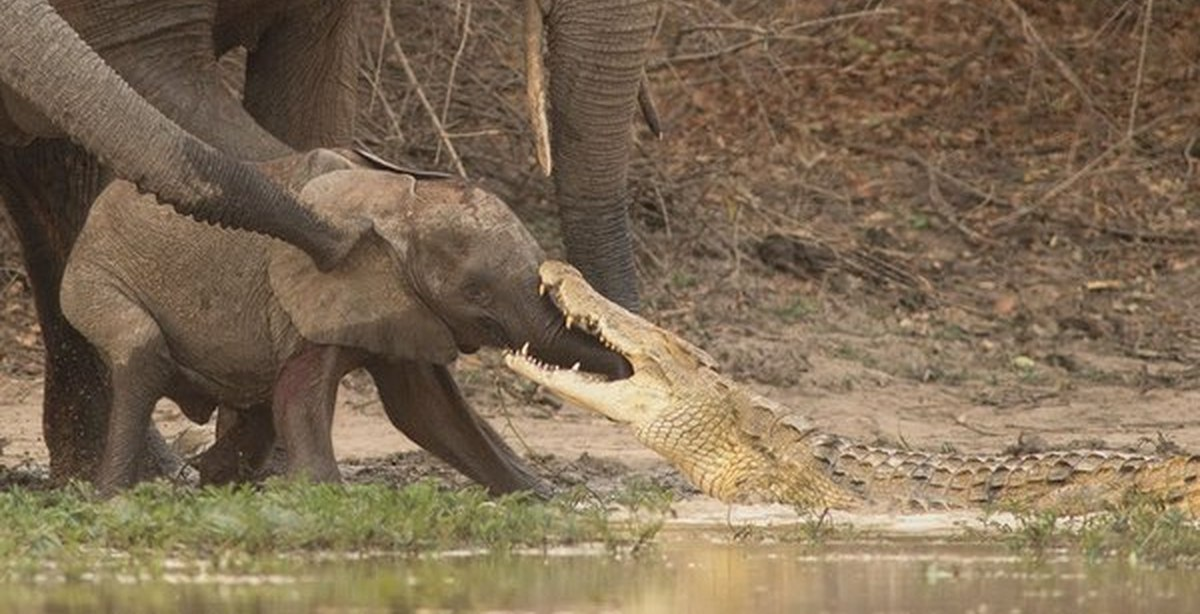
x: 741, y: 447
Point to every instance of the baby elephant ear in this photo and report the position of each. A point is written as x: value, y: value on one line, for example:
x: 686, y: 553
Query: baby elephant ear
x: 294, y: 171
x: 372, y: 194
x: 365, y: 302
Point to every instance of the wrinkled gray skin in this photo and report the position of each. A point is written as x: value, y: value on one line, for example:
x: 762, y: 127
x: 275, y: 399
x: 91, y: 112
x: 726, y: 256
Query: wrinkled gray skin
x: 300, y: 79
x: 206, y: 316
x: 52, y: 82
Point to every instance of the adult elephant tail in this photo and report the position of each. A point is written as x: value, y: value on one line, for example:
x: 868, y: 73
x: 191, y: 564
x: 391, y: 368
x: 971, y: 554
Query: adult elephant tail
x: 45, y: 61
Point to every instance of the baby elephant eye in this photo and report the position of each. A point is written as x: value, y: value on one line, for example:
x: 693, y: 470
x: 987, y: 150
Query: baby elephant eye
x: 477, y: 293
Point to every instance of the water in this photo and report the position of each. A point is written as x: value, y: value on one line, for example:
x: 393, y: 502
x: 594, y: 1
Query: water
x: 686, y: 573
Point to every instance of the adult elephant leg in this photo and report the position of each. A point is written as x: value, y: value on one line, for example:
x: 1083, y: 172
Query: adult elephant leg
x: 47, y: 188
x: 597, y: 52
x: 301, y: 76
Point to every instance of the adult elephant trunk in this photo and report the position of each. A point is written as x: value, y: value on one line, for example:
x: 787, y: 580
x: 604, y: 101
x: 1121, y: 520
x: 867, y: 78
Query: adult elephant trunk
x: 44, y: 61
x: 597, y: 52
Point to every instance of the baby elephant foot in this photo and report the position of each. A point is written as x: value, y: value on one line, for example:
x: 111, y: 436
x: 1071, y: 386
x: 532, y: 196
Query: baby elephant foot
x: 245, y: 438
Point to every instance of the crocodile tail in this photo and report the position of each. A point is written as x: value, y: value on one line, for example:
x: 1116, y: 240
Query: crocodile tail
x: 1175, y: 480
x: 1070, y: 481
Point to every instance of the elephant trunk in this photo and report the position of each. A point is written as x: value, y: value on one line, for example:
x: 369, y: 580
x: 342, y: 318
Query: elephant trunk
x: 597, y: 52
x: 43, y: 60
x: 562, y: 346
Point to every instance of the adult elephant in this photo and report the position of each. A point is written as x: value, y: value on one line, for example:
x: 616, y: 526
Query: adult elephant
x: 52, y: 83
x: 300, y: 88
x: 300, y: 81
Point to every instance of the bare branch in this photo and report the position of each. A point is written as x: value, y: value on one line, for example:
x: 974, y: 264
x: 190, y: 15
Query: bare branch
x: 1141, y: 66
x: 1034, y: 38
x: 462, y: 45
x: 398, y: 50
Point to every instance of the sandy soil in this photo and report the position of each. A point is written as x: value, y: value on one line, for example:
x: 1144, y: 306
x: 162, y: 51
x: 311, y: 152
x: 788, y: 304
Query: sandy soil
x: 571, y: 446
x: 887, y: 410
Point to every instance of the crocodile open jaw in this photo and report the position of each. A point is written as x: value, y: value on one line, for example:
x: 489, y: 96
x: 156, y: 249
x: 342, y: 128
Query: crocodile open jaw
x: 634, y: 399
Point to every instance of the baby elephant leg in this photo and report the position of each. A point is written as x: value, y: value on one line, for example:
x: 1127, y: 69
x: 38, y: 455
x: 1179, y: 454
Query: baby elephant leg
x: 422, y: 400
x: 302, y: 405
x: 139, y: 368
x: 245, y: 437
x: 159, y: 460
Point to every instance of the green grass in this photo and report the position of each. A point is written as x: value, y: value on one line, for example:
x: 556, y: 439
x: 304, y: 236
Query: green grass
x: 69, y: 531
x: 1140, y: 530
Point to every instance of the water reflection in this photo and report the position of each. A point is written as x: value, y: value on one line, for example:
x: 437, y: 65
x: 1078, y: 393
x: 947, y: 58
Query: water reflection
x: 687, y: 575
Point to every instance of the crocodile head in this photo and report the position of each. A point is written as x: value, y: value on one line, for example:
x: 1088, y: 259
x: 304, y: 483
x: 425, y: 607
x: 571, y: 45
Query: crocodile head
x: 666, y: 369
x: 731, y: 443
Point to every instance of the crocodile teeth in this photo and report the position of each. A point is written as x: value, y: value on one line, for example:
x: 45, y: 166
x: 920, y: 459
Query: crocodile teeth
x: 525, y: 349
x: 570, y: 321
x: 541, y: 288
x: 575, y: 367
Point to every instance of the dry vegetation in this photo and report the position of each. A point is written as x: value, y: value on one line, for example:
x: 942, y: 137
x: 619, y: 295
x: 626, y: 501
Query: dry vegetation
x: 997, y: 195
x: 936, y: 189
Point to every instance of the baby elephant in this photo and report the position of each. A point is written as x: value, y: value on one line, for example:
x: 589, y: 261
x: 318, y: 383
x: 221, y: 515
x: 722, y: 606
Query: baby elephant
x: 209, y: 316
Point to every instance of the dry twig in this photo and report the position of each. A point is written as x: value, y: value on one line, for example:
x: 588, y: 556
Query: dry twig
x: 390, y: 32
x: 1062, y: 186
x: 377, y: 93
x: 1032, y: 35
x: 1141, y: 68
x: 760, y: 34
x: 462, y: 45
x: 946, y: 211
x: 802, y: 252
x: 811, y: 23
